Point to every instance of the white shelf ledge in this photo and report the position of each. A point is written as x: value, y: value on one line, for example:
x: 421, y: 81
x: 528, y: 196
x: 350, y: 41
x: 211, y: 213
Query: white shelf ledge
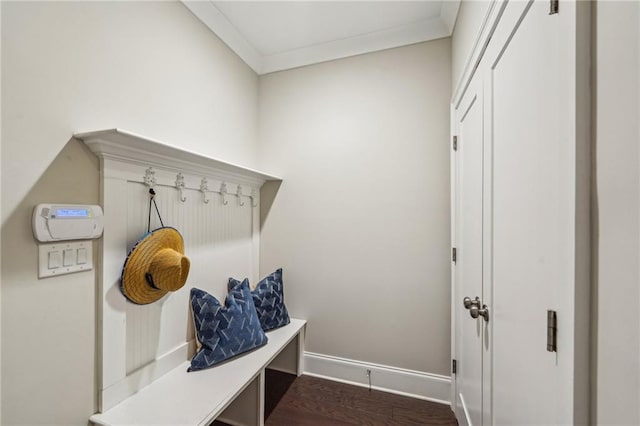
x: 129, y: 147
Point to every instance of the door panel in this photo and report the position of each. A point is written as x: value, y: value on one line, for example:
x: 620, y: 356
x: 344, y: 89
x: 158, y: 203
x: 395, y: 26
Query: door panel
x: 522, y: 166
x: 532, y: 215
x: 468, y: 235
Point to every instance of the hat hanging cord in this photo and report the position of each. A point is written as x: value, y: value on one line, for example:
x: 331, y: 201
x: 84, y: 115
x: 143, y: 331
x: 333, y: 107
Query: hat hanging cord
x: 152, y: 197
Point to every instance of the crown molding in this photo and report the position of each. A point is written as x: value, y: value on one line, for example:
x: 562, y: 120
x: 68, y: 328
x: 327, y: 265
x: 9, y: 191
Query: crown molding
x: 449, y: 14
x: 425, y: 30
x: 216, y: 21
x: 415, y: 32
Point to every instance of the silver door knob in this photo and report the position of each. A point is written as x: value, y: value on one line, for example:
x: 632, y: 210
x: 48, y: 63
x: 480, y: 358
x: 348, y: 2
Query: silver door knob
x: 468, y: 303
x: 477, y: 312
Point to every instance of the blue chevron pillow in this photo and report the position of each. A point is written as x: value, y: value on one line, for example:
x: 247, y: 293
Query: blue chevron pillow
x: 224, y: 331
x: 268, y: 297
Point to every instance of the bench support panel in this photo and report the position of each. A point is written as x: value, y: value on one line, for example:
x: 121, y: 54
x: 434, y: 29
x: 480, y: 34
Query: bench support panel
x: 247, y: 409
x: 289, y: 360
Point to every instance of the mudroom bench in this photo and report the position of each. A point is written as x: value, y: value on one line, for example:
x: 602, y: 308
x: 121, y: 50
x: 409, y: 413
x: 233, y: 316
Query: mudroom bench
x: 232, y: 392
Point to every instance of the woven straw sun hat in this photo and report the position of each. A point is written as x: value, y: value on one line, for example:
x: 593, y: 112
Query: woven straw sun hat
x: 155, y: 266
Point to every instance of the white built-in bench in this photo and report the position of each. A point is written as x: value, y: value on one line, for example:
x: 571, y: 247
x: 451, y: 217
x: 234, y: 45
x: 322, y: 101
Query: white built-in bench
x: 232, y: 392
x: 143, y: 349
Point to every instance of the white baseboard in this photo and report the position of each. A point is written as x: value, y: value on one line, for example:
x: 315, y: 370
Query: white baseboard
x: 416, y: 384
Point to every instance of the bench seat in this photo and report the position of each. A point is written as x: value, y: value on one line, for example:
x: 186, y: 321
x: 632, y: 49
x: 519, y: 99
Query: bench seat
x: 232, y: 391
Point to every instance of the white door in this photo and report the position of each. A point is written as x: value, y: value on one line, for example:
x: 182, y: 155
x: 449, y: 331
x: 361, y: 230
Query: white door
x: 530, y: 87
x: 532, y: 177
x: 468, y: 202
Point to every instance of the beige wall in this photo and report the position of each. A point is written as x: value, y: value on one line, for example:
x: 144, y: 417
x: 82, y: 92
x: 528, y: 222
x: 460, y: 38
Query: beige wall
x: 48, y: 334
x: 361, y: 222
x: 148, y: 67
x: 617, y: 243
x: 470, y: 17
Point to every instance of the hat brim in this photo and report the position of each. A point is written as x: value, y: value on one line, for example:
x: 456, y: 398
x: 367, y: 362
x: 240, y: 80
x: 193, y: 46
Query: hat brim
x: 133, y: 282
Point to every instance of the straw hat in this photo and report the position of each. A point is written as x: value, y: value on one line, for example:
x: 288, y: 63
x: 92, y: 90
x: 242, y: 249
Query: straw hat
x: 155, y: 266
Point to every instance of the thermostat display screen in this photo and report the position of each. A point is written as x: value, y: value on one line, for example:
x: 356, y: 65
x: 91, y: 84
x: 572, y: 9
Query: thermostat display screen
x: 61, y: 222
x: 72, y: 213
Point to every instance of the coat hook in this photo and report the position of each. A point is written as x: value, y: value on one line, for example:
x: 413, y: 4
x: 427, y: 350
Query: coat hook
x: 223, y: 193
x: 180, y: 186
x: 239, y: 194
x: 150, y: 177
x: 204, y: 187
x: 253, y: 196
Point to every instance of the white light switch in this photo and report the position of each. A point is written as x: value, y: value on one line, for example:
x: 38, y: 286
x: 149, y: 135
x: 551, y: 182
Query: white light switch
x: 54, y: 260
x: 64, y: 258
x: 68, y: 257
x: 82, y: 256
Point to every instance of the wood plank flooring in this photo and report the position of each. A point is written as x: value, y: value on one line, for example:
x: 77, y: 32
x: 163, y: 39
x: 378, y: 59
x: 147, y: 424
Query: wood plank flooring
x: 309, y: 401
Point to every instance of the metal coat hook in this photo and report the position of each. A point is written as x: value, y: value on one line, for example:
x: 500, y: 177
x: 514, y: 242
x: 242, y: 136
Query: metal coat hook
x: 180, y: 186
x: 150, y: 177
x: 253, y: 196
x: 239, y: 195
x: 223, y: 193
x: 204, y: 187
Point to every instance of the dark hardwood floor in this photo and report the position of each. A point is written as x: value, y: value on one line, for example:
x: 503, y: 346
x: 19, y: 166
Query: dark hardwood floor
x: 309, y: 401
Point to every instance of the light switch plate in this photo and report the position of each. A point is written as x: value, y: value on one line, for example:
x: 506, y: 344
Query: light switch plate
x: 43, y: 258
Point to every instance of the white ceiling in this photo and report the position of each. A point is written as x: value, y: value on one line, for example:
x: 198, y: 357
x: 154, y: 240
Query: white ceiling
x: 277, y: 35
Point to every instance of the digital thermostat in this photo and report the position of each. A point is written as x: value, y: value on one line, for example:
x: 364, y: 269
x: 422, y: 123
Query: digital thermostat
x: 59, y: 222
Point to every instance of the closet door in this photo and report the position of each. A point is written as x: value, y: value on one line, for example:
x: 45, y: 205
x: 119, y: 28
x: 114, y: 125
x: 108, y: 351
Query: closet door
x: 468, y: 206
x: 534, y: 228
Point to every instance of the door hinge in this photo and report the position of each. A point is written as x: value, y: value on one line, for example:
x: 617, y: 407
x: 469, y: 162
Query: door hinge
x: 454, y: 255
x: 552, y: 331
x: 455, y: 143
x: 554, y: 7
x: 454, y: 366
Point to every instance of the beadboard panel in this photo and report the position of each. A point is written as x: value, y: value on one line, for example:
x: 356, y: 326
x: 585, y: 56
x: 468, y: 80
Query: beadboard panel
x: 218, y: 239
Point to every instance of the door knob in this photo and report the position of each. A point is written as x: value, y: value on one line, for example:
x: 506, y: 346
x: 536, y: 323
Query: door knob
x: 477, y: 312
x: 468, y: 303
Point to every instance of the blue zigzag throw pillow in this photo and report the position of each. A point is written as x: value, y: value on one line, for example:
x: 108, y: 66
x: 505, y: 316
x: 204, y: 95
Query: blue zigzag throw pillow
x: 268, y: 298
x: 224, y: 331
